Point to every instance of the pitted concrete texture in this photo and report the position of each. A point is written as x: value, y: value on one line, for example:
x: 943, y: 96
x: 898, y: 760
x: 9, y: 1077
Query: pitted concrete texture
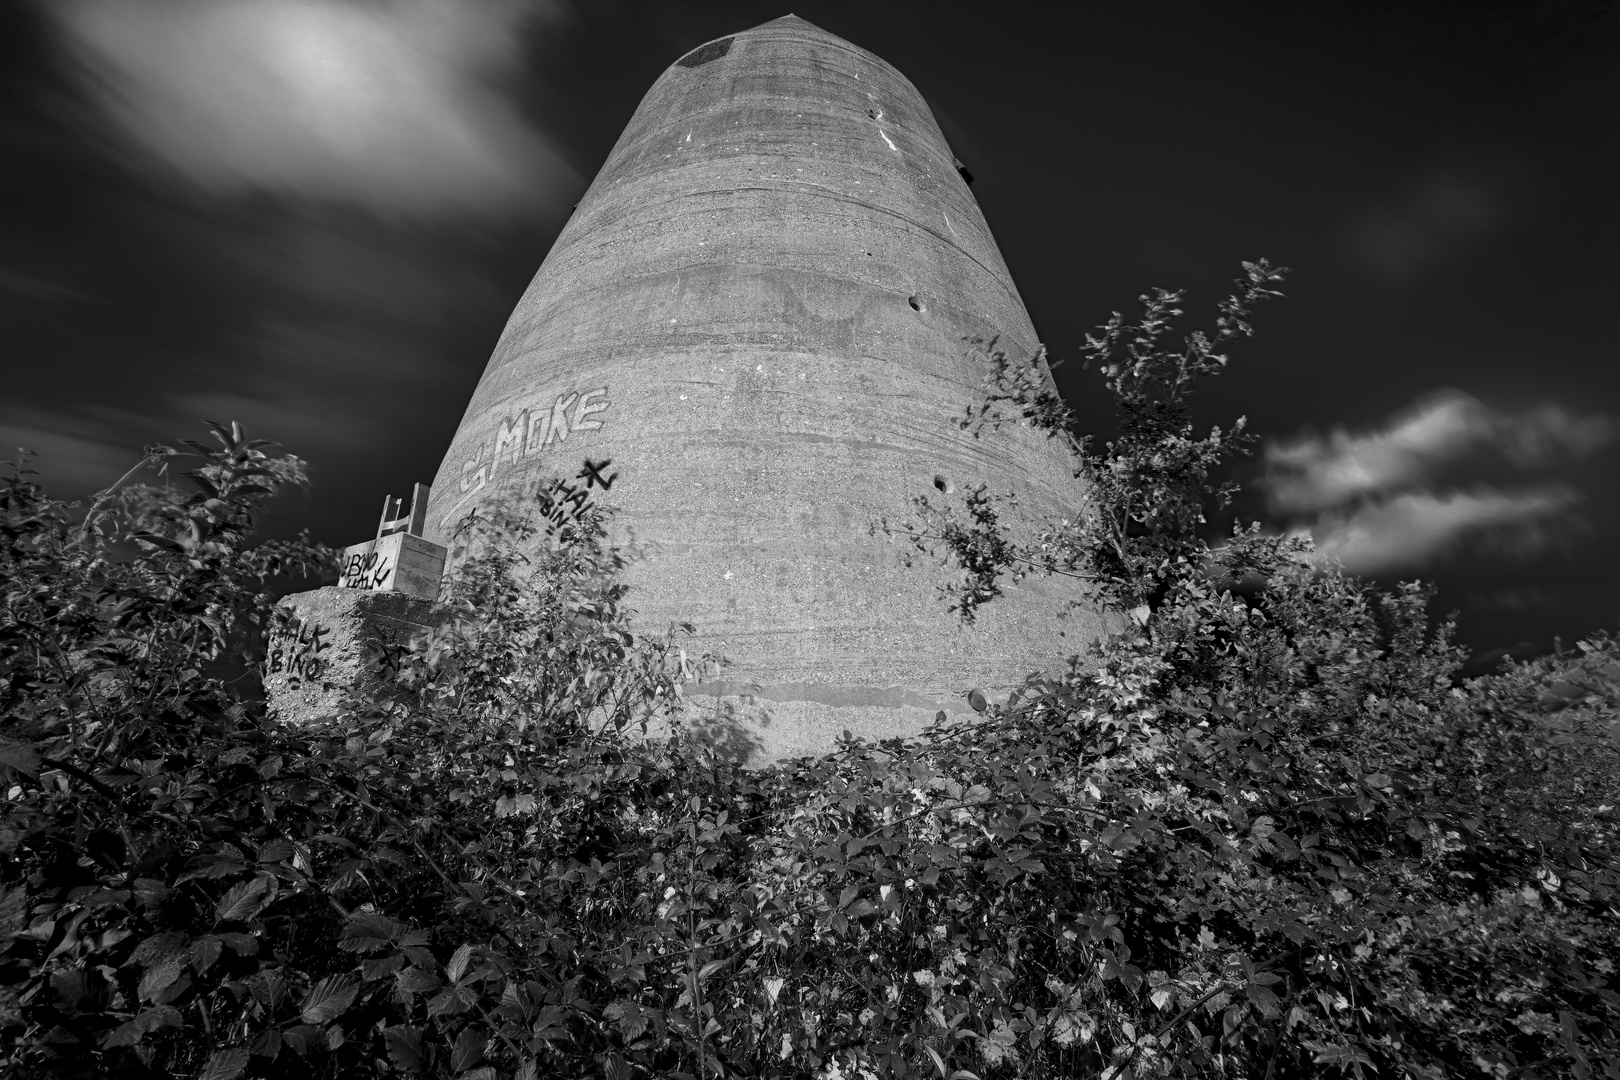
x: 326, y: 647
x: 758, y: 313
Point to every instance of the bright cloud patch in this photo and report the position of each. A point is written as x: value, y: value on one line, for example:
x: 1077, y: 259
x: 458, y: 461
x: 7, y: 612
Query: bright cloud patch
x: 1316, y: 472
x: 1417, y: 527
x: 386, y: 104
x: 1368, y: 497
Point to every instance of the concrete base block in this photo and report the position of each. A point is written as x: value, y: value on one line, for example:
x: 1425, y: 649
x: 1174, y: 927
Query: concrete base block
x: 325, y: 646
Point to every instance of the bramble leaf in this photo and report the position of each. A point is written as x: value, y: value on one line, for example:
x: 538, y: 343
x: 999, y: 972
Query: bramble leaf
x: 242, y: 901
x: 225, y: 1064
x: 468, y: 1050
x: 367, y: 932
x: 328, y: 999
x: 405, y: 1048
x: 20, y: 757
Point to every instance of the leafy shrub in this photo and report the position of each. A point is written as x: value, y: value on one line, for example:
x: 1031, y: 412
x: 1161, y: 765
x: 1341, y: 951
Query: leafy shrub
x: 1267, y: 834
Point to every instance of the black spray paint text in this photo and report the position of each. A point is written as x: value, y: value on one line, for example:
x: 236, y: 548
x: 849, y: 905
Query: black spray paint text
x: 296, y: 649
x: 365, y: 570
x: 563, y: 503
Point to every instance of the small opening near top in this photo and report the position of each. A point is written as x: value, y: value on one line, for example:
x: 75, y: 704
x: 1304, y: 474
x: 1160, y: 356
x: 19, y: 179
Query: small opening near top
x: 701, y: 55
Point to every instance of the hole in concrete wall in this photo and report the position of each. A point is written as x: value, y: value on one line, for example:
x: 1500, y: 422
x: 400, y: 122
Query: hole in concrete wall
x: 916, y: 304
x: 872, y: 113
x: 701, y: 55
x: 961, y: 168
x: 943, y: 484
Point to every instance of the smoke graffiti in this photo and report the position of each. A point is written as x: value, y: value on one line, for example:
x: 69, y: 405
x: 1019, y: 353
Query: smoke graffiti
x: 525, y: 434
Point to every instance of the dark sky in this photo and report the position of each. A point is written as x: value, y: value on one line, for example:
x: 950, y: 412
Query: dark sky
x: 314, y: 216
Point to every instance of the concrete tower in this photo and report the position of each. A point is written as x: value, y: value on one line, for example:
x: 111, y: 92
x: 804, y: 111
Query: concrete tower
x: 757, y: 313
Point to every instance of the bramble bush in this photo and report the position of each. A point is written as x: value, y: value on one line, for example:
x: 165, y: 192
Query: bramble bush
x: 1265, y: 831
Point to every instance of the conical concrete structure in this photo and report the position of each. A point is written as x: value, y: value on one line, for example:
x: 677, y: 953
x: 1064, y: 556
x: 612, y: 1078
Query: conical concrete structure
x: 758, y: 314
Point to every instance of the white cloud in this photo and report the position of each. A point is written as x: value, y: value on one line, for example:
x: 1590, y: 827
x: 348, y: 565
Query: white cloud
x: 366, y: 387
x: 1313, y: 472
x: 389, y: 104
x: 1414, y: 528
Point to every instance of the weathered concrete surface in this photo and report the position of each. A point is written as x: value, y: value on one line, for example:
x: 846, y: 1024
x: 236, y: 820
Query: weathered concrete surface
x: 330, y: 644
x: 398, y: 562
x: 757, y: 312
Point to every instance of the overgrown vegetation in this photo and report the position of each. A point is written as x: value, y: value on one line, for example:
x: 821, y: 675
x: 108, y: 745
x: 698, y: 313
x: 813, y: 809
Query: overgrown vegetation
x: 1268, y: 836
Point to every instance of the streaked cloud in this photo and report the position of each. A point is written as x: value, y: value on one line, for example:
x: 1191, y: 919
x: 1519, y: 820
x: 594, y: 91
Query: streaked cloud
x: 393, y: 105
x: 1437, y: 215
x: 1314, y: 472
x: 34, y: 287
x: 1374, y: 500
x: 1415, y: 528
x: 75, y: 453
x: 367, y: 387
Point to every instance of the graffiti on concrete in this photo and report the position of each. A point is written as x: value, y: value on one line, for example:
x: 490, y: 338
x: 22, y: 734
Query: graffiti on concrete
x: 390, y: 658
x: 365, y: 570
x: 296, y: 649
x: 592, y: 472
x: 526, y: 433
x: 563, y: 503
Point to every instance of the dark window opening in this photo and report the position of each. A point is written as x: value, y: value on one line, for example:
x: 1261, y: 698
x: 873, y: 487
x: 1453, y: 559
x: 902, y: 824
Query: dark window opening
x: 701, y: 55
x: 961, y: 168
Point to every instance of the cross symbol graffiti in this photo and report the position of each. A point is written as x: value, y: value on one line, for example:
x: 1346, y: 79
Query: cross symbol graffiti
x: 592, y: 474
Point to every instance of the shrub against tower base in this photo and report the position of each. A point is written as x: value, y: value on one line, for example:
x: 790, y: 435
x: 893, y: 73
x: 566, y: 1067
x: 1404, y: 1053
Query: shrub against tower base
x: 1264, y: 836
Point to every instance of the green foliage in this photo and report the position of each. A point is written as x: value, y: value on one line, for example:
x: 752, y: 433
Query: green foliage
x: 1147, y: 490
x: 535, y: 633
x: 1262, y: 836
